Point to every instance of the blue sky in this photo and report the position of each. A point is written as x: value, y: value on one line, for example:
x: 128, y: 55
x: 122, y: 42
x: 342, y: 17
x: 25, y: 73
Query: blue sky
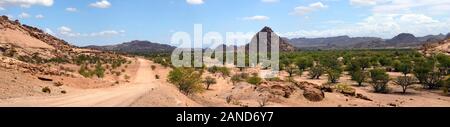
x: 101, y: 22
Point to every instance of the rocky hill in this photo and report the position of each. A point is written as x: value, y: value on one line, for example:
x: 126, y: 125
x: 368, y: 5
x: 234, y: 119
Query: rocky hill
x: 437, y: 47
x: 285, y: 46
x: 404, y: 40
x: 136, y: 47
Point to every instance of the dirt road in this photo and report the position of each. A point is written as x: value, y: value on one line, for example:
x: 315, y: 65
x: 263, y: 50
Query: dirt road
x: 119, y: 96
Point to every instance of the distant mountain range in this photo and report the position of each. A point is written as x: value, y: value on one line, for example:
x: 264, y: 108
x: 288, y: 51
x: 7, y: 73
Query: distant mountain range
x: 403, y: 40
x: 136, y: 47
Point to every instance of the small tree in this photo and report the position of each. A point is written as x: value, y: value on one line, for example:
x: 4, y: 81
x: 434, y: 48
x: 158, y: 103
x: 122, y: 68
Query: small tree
x: 334, y: 75
x: 153, y: 67
x: 363, y: 63
x: 316, y: 72
x: 405, y: 82
x: 434, y: 80
x: 360, y: 77
x: 404, y: 67
x: 291, y: 69
x: 380, y: 80
x: 209, y: 81
x: 422, y: 70
x: 186, y: 79
x: 304, y: 63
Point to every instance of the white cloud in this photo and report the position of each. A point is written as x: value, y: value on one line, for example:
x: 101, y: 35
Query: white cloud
x: 40, y: 16
x: 101, y: 4
x: 270, y: 1
x: 257, y: 18
x: 67, y: 32
x: 24, y: 15
x: 25, y: 3
x: 195, y: 2
x: 405, y: 6
x: 302, y: 10
x: 382, y: 25
x: 107, y: 33
x: 2, y: 9
x: 49, y: 31
x: 71, y: 9
x: 363, y: 2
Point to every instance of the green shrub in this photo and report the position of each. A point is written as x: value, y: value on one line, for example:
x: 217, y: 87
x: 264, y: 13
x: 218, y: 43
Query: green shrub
x: 379, y: 80
x: 316, y: 72
x: 209, y: 81
x: 291, y: 70
x: 236, y: 79
x: 334, y: 75
x: 405, y: 82
x: 84, y: 71
x: 255, y: 80
x: 99, y: 70
x: 304, y: 63
x: 433, y: 80
x: 360, y: 77
x: 186, y: 79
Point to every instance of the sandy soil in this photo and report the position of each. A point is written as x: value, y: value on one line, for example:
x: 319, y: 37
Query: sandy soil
x: 246, y: 96
x: 20, y: 39
x: 163, y: 94
x: 119, y: 96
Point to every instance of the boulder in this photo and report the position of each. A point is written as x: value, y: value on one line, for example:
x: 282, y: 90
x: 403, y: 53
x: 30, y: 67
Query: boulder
x: 44, y: 78
x: 311, y: 91
x: 313, y: 94
x: 327, y: 88
x: 361, y: 96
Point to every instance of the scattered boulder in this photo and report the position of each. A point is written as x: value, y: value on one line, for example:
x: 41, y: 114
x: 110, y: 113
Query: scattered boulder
x: 361, y: 96
x: 58, y: 84
x: 327, y: 88
x: 45, y: 78
x: 46, y: 90
x: 393, y: 104
x: 313, y: 94
x: 276, y: 89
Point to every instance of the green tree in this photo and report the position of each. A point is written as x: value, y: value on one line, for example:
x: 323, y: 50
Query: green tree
x: 433, y: 80
x: 405, y: 82
x: 291, y: 69
x: 186, y: 79
x: 363, y: 62
x: 359, y: 76
x: 316, y: 71
x: 209, y: 81
x: 334, y: 75
x: 379, y: 80
x: 404, y: 67
x: 422, y: 70
x: 304, y: 63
